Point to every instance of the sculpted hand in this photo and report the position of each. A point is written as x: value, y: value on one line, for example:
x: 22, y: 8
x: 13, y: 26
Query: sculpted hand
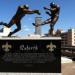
x: 37, y: 12
x: 44, y: 7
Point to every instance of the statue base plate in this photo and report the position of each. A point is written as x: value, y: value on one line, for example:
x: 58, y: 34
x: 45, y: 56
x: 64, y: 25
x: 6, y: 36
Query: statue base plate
x: 30, y: 54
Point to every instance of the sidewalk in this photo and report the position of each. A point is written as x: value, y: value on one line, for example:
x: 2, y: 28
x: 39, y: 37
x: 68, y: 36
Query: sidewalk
x: 65, y: 60
x: 68, y: 66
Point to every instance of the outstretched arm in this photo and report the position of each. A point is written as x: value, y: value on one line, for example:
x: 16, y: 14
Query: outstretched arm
x: 46, y: 8
x: 31, y: 11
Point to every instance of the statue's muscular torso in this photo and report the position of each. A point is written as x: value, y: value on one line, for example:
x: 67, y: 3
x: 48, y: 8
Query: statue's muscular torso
x: 19, y: 15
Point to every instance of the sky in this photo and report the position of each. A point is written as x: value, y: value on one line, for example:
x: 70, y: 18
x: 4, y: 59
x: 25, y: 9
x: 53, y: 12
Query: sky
x: 66, y: 19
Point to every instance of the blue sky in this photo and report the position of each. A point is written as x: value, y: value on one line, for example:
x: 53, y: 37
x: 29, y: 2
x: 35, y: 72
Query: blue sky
x: 66, y: 19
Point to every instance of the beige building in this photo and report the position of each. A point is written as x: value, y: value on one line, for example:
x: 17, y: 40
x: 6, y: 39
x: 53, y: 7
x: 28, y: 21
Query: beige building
x: 68, y: 38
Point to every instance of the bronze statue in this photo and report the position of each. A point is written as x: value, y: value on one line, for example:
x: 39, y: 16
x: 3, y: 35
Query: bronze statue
x: 21, y: 12
x: 53, y: 12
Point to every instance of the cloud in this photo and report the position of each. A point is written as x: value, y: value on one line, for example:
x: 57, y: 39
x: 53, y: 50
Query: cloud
x: 27, y: 29
x: 30, y: 19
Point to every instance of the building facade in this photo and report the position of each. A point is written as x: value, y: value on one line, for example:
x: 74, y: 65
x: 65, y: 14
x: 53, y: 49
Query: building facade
x: 68, y: 38
x: 38, y: 21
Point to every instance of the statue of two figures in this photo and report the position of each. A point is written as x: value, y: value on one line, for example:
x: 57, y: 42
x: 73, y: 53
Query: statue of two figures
x: 53, y: 12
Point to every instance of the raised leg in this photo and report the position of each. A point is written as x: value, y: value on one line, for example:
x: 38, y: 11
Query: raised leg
x: 5, y: 24
x: 48, y: 21
x: 16, y: 30
x: 53, y: 21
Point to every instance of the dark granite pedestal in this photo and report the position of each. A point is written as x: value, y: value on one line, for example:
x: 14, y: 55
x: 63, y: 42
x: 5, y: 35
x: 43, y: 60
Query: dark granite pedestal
x: 30, y: 55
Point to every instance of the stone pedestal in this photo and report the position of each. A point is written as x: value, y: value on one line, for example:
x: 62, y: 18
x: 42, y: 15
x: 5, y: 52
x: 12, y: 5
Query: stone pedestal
x: 30, y: 55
